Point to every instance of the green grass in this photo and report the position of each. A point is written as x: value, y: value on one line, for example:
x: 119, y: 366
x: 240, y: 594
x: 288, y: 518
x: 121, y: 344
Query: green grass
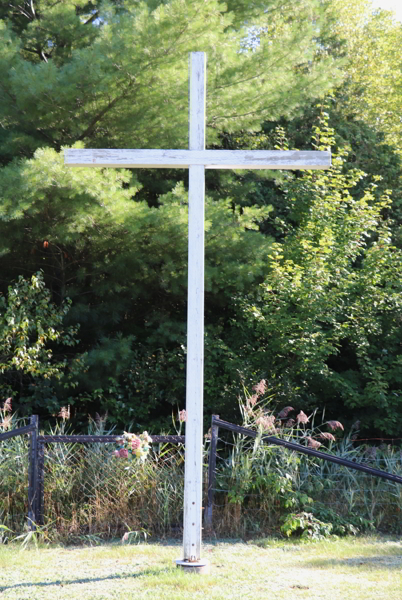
x: 367, y: 568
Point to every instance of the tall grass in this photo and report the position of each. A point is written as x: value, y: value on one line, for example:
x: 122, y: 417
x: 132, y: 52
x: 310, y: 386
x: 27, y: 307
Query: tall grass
x: 90, y: 493
x: 89, y: 490
x: 259, y: 485
x: 13, y: 475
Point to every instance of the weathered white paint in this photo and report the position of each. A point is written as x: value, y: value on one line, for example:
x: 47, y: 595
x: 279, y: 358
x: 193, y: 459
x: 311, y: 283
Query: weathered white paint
x: 192, y: 519
x: 197, y: 159
x: 211, y: 159
x: 196, y: 124
x: 195, y: 369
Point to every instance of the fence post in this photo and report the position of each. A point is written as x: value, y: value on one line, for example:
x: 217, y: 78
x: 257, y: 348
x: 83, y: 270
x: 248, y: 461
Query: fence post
x: 211, y: 472
x: 33, y: 474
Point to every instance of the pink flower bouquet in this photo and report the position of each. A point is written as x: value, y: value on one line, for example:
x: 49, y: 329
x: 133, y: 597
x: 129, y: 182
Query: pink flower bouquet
x: 134, y: 446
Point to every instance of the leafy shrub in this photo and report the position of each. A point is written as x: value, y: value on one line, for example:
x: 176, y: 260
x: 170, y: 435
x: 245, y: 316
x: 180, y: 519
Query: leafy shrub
x: 31, y: 327
x: 350, y: 524
x: 305, y: 525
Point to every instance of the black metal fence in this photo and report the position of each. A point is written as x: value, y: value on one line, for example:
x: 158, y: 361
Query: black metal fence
x: 37, y: 458
x: 38, y: 445
x: 218, y: 423
x: 32, y: 430
x: 44, y: 440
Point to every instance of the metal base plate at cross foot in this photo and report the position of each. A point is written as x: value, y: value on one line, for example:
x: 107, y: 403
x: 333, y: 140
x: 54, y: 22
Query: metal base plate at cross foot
x: 200, y: 566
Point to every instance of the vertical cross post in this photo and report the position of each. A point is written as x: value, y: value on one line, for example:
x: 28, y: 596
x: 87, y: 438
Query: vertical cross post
x: 195, y: 318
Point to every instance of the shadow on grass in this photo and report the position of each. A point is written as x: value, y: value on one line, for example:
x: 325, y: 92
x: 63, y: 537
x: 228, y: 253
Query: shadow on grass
x: 371, y: 562
x: 64, y: 582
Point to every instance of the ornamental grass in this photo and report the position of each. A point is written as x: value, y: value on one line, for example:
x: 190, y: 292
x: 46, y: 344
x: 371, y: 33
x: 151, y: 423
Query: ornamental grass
x: 93, y: 494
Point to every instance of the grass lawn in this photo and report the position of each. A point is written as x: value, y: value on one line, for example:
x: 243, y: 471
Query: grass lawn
x: 367, y: 568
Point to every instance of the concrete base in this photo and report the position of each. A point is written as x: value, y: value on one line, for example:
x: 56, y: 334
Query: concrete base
x: 201, y: 566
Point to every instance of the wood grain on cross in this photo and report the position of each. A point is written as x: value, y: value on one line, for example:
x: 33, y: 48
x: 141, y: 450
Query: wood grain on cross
x: 196, y: 159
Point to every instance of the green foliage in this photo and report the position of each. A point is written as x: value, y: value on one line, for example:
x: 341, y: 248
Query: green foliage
x: 33, y: 537
x: 262, y: 478
x: 118, y: 74
x: 113, y: 75
x: 123, y: 264
x: 327, y: 321
x: 30, y: 326
x: 14, y: 454
x: 90, y: 494
x: 305, y: 525
x: 367, y: 152
x: 371, y: 91
x: 269, y: 488
x: 351, y: 524
x: 324, y: 324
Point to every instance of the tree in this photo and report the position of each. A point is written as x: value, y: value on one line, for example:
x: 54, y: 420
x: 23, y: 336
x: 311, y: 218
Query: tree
x: 327, y: 324
x: 112, y: 74
x: 120, y: 79
x: 31, y: 327
x: 371, y: 91
x: 123, y: 264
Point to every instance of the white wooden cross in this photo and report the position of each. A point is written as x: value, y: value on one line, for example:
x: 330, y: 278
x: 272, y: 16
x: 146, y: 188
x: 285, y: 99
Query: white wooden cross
x: 196, y: 159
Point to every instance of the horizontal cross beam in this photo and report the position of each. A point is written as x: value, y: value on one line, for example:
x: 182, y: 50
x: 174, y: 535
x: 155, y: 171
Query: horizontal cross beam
x: 210, y: 159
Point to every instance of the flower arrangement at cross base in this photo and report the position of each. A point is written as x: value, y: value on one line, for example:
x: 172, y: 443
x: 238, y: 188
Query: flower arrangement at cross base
x: 134, y: 446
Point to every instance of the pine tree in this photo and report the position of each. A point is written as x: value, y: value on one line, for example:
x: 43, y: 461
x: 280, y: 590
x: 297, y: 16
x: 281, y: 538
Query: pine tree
x: 115, y: 74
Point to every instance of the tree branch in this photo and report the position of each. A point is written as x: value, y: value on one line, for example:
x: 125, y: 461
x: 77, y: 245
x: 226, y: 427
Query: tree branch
x: 21, y: 10
x: 102, y: 113
x: 92, y: 18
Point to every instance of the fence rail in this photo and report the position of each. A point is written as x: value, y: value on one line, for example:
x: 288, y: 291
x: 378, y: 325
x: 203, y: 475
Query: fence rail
x: 14, y: 432
x: 36, y: 467
x: 219, y: 423
x: 105, y: 439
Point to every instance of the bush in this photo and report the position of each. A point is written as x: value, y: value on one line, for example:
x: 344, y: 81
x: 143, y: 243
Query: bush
x: 306, y: 525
